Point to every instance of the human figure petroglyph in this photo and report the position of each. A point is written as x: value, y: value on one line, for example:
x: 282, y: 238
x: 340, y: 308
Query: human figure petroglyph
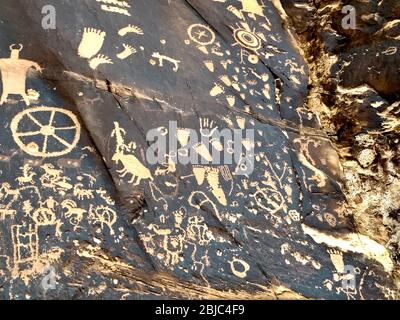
x: 173, y: 239
x: 198, y: 231
x: 9, y: 196
x: 6, y: 213
x: 14, y: 72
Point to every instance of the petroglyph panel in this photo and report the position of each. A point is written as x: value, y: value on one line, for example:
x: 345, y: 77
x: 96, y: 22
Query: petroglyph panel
x: 79, y: 193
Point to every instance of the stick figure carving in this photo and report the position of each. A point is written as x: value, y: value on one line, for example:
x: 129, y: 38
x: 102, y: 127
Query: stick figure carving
x: 14, y: 72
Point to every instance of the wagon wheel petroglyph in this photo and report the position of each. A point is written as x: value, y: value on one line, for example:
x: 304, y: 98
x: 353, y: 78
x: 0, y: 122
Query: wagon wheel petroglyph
x: 29, y: 124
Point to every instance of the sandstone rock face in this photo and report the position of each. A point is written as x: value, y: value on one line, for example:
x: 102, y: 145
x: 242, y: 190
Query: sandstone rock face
x: 355, y: 93
x: 86, y: 209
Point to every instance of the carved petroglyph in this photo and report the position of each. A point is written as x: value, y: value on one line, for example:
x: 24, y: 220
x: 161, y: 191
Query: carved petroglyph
x: 353, y: 243
x: 247, y: 37
x: 337, y: 260
x: 73, y: 213
x: 115, y: 6
x: 198, y: 199
x: 131, y: 164
x: 128, y: 51
x: 304, y: 259
x: 239, y: 268
x: 14, y: 72
x: 104, y: 216
x: 161, y: 58
x: 172, y: 239
x: 54, y: 178
x: 212, y: 176
x: 45, y: 139
x: 198, y: 231
x: 130, y: 29
x: 189, y: 235
x: 91, y: 43
x: 27, y: 176
x: 239, y: 82
x: 319, y: 177
x: 251, y: 7
x: 25, y: 248
x: 201, y: 34
x: 37, y: 203
x: 99, y: 60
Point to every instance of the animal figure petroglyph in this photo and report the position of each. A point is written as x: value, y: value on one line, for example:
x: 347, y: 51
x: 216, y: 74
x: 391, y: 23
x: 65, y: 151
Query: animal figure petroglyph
x: 161, y: 59
x: 71, y: 163
x: 53, y: 178
x: 131, y: 165
x: 27, y: 175
x: 6, y: 192
x: 74, y: 214
x: 82, y: 193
